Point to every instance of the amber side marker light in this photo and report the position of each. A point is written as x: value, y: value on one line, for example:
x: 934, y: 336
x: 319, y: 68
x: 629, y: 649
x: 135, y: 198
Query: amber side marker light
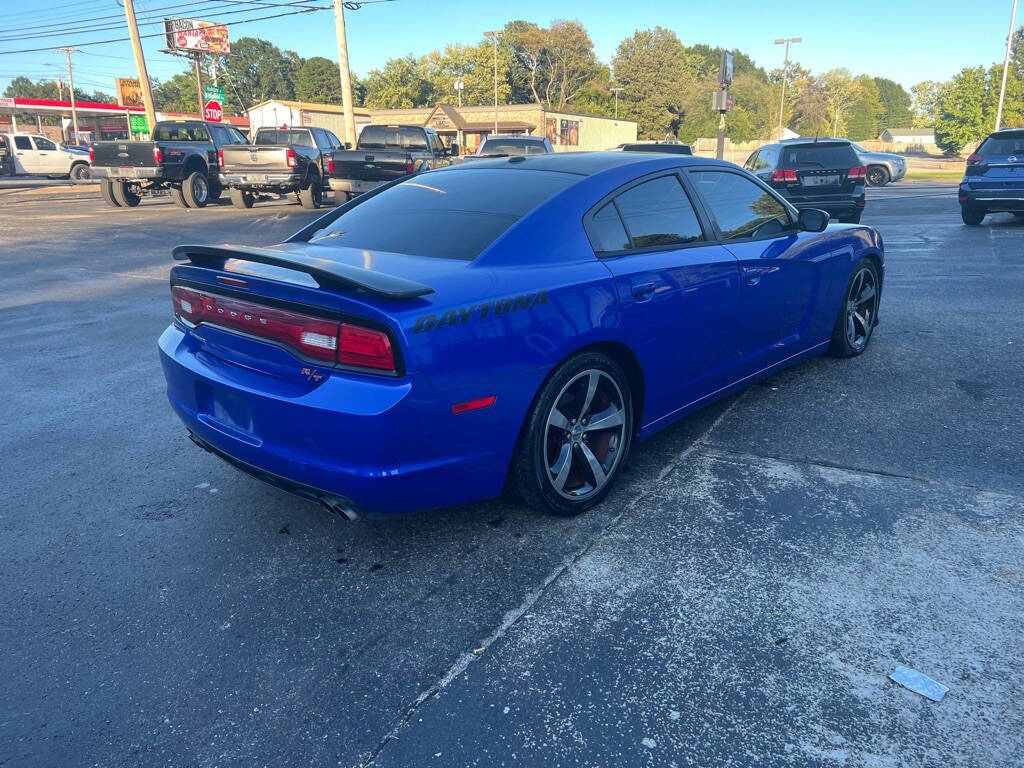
x: 474, y: 405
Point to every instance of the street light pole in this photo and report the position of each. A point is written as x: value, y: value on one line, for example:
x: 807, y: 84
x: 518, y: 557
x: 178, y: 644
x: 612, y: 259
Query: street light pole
x: 493, y: 34
x: 785, y: 74
x: 616, y: 91
x: 1006, y: 64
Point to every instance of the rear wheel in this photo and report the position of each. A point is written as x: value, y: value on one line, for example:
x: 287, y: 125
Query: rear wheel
x: 107, y: 193
x: 340, y: 198
x: 312, y: 195
x: 196, y: 189
x: 178, y: 197
x: 878, y: 175
x: 972, y: 216
x: 241, y: 199
x: 576, y: 437
x: 125, y: 194
x: 858, y: 313
x: 852, y: 219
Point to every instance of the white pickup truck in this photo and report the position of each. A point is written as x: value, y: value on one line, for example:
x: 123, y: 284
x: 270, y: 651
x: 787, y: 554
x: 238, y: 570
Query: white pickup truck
x: 38, y: 155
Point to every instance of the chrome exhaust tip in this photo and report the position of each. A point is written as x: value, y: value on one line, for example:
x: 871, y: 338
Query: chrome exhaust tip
x: 340, y: 507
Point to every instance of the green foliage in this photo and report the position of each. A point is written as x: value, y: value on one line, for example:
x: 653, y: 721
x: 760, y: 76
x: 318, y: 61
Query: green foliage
x: 318, y: 80
x: 256, y: 71
x: 866, y: 112
x: 656, y: 76
x: 23, y: 88
x: 896, y: 102
x: 177, y: 94
x: 962, y: 113
x: 925, y: 102
x: 400, y: 83
x: 550, y: 65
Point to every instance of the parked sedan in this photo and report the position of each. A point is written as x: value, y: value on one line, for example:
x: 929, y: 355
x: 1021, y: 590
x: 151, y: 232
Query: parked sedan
x: 520, y: 322
x: 994, y: 178
x: 883, y: 167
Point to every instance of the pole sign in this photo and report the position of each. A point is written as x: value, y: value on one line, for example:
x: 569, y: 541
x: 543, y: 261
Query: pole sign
x: 213, y: 93
x: 213, y: 112
x: 138, y: 124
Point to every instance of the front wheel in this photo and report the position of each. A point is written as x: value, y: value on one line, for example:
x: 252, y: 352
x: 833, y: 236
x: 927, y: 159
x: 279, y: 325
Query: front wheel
x: 80, y: 172
x: 241, y: 199
x: 196, y: 189
x: 576, y: 437
x: 858, y: 314
x: 312, y: 195
x: 878, y: 176
x: 972, y: 216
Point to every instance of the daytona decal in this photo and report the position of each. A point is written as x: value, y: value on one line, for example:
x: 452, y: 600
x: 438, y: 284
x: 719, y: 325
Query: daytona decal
x: 463, y: 315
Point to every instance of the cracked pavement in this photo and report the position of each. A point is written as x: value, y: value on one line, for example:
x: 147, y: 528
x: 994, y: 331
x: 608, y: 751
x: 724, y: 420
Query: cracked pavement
x: 739, y: 599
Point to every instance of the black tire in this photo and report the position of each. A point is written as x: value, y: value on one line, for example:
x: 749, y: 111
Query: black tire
x: 878, y: 176
x: 196, y: 189
x: 972, y: 216
x: 107, y: 193
x: 852, y: 219
x: 544, y: 444
x: 216, y: 190
x: 177, y: 196
x: 124, y: 194
x: 340, y: 198
x: 241, y: 199
x: 312, y: 195
x: 80, y: 172
x: 858, y: 314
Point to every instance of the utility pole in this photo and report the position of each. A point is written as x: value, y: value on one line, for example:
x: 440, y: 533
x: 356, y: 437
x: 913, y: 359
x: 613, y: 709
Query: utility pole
x: 346, y: 77
x: 71, y: 88
x: 785, y: 74
x: 493, y: 34
x: 140, y: 64
x: 1006, y: 65
x: 616, y: 91
x: 199, y: 84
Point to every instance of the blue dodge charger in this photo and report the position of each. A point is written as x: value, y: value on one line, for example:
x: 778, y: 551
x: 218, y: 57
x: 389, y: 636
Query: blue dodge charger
x: 517, y: 323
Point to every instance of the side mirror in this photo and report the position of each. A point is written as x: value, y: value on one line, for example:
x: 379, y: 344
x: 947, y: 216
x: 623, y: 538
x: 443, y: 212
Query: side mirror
x: 454, y: 150
x: 812, y: 220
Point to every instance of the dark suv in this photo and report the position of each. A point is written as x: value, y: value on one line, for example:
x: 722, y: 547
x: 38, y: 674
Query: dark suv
x: 814, y: 173
x: 994, y: 179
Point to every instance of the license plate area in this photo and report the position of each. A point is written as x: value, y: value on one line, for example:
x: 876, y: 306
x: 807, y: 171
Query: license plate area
x: 227, y: 410
x: 831, y: 180
x: 129, y: 173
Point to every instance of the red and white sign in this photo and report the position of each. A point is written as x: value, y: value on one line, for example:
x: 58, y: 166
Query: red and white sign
x: 213, y: 112
x: 195, y: 35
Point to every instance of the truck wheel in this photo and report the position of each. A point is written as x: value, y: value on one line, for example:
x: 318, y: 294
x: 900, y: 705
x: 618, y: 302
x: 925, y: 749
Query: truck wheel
x: 241, y: 199
x: 196, y: 189
x: 312, y: 195
x: 80, y: 172
x: 178, y: 197
x: 340, y: 198
x: 107, y: 192
x: 124, y: 194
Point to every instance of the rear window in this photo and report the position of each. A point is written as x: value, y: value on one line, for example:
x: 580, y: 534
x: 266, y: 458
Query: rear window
x: 513, y: 147
x: 819, y: 155
x: 273, y: 136
x: 1005, y: 144
x: 180, y: 132
x: 444, y: 215
x: 392, y: 137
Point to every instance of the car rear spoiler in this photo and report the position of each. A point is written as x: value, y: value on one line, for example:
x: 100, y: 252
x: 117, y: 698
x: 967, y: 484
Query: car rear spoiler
x: 326, y: 271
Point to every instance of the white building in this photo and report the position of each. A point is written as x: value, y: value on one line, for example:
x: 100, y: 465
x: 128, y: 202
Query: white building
x: 910, y: 136
x: 277, y: 112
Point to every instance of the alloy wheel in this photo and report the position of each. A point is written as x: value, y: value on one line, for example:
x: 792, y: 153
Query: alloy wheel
x: 585, y: 435
x: 200, y: 189
x: 861, y: 307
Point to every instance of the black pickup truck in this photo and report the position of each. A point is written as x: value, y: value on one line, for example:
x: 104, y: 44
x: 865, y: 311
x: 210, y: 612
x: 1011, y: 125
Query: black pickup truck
x: 280, y: 161
x: 384, y: 153
x: 182, y: 159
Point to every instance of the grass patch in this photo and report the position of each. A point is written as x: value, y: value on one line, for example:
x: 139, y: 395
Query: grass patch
x: 948, y: 175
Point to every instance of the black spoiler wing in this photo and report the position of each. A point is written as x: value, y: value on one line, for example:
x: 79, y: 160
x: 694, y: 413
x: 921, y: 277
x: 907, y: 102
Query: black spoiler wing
x: 326, y: 271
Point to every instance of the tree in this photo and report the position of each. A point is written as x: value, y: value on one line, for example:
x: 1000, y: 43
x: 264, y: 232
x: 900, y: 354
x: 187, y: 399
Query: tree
x: 925, y: 103
x: 841, y: 93
x: 962, y: 113
x: 896, y: 102
x: 866, y: 111
x: 596, y: 97
x: 318, y: 80
x: 401, y: 82
x: 177, y: 94
x: 256, y: 71
x: 553, y: 64
x: 474, y: 66
x: 811, y: 112
x: 23, y: 88
x: 652, y: 68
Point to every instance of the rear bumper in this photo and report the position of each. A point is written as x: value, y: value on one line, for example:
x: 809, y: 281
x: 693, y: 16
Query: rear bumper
x: 114, y: 172
x: 993, y: 199
x: 355, y: 186
x: 387, y: 446
x: 246, y: 180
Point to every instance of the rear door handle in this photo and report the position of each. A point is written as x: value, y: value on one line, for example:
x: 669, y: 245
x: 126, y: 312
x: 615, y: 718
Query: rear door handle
x: 642, y: 291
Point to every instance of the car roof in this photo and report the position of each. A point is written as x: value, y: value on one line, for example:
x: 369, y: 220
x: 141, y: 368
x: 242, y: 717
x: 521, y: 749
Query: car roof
x: 589, y: 163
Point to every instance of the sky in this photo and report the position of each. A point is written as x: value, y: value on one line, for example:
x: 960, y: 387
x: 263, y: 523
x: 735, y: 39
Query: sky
x: 909, y: 41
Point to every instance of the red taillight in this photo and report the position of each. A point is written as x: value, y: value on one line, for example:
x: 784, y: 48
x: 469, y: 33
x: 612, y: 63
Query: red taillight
x: 92, y: 155
x: 158, y: 155
x: 474, y: 405
x: 314, y: 337
x: 365, y: 348
x: 974, y: 159
x: 291, y: 157
x: 330, y: 166
x: 858, y: 173
x: 784, y: 176
x: 409, y: 168
x: 220, y: 157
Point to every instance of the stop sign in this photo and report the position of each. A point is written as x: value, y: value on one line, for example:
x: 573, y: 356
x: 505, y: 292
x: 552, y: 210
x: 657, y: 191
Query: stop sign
x: 213, y: 112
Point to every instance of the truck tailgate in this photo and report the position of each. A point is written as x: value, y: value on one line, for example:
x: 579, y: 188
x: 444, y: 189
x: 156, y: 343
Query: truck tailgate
x: 370, y: 165
x: 256, y: 159
x: 123, y: 154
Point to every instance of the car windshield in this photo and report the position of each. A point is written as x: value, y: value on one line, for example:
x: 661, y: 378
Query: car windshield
x: 818, y: 155
x: 273, y: 136
x: 1005, y: 144
x: 513, y: 147
x: 452, y: 214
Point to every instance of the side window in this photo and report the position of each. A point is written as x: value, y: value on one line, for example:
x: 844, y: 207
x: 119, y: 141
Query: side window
x: 332, y: 140
x: 237, y: 137
x: 44, y: 144
x: 321, y: 140
x: 658, y: 212
x: 22, y: 142
x: 606, y: 231
x: 768, y: 159
x: 751, y: 164
x: 739, y: 206
x: 220, y: 135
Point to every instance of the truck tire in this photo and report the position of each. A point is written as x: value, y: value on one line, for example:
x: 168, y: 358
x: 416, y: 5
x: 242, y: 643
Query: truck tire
x: 241, y: 199
x: 216, y: 190
x: 107, y: 192
x: 124, y: 194
x: 340, y: 198
x: 196, y: 190
x: 178, y: 197
x: 80, y: 172
x: 312, y: 195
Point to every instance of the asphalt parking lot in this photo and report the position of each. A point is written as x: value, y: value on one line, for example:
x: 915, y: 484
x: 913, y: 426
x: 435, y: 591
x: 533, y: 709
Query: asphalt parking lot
x: 739, y: 599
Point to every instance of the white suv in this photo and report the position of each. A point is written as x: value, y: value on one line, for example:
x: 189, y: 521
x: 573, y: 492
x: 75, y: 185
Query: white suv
x: 39, y: 155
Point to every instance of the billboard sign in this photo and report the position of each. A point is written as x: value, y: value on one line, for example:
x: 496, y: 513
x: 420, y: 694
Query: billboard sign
x: 192, y: 35
x: 129, y: 92
x: 213, y: 112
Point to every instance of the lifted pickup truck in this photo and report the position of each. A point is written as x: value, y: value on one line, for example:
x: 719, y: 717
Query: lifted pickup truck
x: 279, y: 161
x: 182, y: 159
x: 385, y: 153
